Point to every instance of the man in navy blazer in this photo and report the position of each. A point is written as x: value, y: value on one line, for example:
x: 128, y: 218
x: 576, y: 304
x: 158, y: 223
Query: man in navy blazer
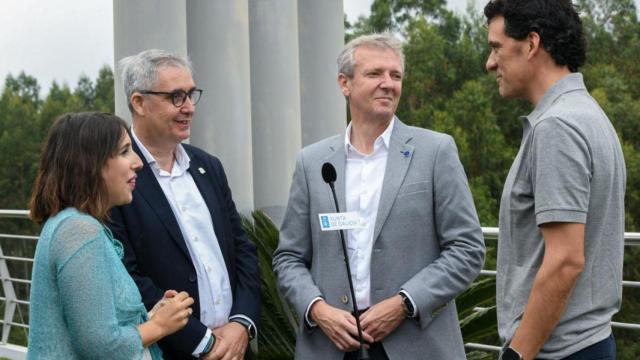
x: 182, y: 230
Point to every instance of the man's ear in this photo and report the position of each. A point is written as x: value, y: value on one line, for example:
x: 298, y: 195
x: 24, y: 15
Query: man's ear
x: 533, y: 40
x: 137, y: 102
x: 344, y: 83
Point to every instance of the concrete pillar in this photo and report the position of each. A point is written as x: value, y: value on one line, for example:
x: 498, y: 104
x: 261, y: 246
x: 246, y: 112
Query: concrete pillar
x: 146, y: 24
x: 218, y: 39
x: 275, y: 100
x: 321, y: 35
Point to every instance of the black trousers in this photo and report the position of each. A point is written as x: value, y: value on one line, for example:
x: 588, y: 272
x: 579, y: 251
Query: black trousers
x: 376, y: 352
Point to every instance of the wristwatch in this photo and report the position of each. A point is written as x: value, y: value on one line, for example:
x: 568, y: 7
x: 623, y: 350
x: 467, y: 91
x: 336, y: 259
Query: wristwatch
x: 510, y: 354
x: 209, y: 346
x: 251, y: 330
x: 407, y: 305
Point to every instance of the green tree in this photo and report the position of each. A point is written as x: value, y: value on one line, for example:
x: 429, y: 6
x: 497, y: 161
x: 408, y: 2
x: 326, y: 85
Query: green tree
x: 104, y: 98
x: 85, y: 92
x: 396, y: 15
x: 19, y: 106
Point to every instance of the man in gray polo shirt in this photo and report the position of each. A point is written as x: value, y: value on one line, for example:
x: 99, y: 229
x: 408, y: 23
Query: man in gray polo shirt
x: 562, y: 209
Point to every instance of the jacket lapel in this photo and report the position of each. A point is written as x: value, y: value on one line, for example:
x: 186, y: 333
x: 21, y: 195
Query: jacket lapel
x: 149, y: 189
x: 398, y: 161
x: 338, y: 159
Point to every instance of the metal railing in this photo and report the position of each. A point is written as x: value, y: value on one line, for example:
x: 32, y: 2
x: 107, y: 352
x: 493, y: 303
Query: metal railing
x: 11, y: 301
x: 630, y: 239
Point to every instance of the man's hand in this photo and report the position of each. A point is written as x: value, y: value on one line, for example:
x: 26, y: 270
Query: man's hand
x: 231, y: 342
x: 383, y: 318
x: 338, y: 325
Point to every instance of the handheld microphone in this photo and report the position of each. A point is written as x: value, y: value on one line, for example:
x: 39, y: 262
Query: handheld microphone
x: 329, y: 176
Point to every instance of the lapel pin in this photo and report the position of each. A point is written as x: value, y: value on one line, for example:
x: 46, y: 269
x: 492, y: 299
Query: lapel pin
x: 201, y: 170
x: 406, y: 153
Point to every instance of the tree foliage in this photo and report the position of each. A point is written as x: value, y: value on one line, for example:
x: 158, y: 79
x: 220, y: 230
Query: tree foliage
x: 25, y: 119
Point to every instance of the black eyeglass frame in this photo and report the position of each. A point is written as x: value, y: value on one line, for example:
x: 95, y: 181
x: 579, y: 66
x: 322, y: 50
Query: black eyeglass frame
x: 176, y: 95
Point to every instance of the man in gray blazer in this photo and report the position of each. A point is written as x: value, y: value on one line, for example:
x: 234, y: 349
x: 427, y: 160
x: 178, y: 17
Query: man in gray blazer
x: 418, y: 243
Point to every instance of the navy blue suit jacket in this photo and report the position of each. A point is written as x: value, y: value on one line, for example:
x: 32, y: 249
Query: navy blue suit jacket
x: 157, y: 257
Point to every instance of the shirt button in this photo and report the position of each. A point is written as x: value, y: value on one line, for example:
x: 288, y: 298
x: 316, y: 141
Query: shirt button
x: 195, y: 238
x: 217, y: 301
x: 344, y: 299
x: 183, y: 208
x: 209, y: 268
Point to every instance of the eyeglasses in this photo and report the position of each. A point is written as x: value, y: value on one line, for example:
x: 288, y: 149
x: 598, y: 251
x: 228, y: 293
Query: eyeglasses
x: 178, y: 97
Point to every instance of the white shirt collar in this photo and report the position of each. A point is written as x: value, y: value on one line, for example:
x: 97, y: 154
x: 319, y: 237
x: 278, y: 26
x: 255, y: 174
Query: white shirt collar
x: 182, y: 158
x: 383, y: 139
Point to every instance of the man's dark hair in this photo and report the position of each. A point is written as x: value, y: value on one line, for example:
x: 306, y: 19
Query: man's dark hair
x: 556, y: 21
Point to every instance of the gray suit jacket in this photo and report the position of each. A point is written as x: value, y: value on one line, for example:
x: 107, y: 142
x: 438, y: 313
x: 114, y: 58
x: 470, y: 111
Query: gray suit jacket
x: 427, y: 241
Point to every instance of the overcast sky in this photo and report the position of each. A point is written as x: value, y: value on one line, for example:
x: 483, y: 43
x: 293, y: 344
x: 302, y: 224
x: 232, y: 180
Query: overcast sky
x: 55, y: 39
x: 62, y: 39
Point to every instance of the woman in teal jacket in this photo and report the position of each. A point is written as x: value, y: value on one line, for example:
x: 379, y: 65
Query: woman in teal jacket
x: 84, y: 304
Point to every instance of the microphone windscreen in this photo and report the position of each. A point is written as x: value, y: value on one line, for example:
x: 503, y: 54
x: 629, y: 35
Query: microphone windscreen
x: 328, y: 173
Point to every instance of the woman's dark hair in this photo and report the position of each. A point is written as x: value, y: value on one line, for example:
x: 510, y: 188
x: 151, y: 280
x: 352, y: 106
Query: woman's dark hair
x: 70, y: 173
x: 556, y: 21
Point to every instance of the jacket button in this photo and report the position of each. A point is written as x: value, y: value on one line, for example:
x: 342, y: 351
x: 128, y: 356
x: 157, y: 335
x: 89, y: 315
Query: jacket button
x: 344, y: 299
x: 192, y: 278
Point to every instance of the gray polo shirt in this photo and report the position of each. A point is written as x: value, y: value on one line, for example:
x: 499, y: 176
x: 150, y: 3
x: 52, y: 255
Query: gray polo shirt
x: 569, y: 168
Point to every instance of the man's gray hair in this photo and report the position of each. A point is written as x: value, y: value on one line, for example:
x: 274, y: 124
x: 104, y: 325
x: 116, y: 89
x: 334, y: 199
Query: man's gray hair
x: 346, y: 60
x: 140, y: 71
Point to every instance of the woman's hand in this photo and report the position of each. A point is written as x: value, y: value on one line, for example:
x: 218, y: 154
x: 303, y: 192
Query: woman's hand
x: 167, y: 295
x: 168, y: 316
x: 174, y: 313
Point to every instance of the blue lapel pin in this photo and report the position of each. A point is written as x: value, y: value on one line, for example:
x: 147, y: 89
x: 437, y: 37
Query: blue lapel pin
x: 406, y: 153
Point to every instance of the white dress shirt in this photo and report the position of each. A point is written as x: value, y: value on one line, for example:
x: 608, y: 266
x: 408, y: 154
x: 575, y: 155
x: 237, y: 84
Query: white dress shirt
x: 196, y: 226
x: 363, y: 184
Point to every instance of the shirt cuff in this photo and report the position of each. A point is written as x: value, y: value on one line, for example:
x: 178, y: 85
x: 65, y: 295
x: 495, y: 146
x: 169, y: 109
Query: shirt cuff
x: 200, y: 348
x: 560, y: 215
x: 310, y: 322
x: 245, y: 317
x: 415, y: 308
